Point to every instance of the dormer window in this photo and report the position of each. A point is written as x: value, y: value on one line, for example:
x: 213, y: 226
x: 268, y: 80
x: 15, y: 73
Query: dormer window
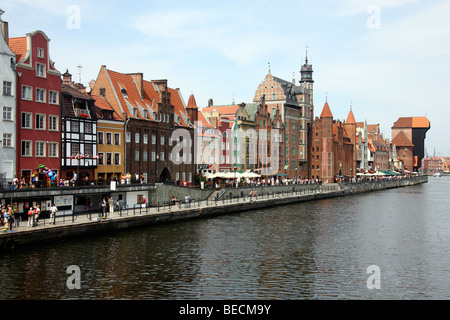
x: 134, y: 112
x: 124, y: 93
x: 145, y: 114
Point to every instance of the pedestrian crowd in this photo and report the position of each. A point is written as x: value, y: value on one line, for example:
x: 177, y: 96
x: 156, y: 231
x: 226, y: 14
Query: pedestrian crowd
x: 10, y: 218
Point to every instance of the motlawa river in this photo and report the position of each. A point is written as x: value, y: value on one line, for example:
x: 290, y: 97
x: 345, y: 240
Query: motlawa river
x: 392, y: 244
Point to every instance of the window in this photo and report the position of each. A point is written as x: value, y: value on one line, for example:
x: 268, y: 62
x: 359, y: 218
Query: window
x: 40, y: 149
x: 108, y: 138
x: 109, y: 158
x: 26, y: 148
x: 161, y: 156
x: 40, y: 70
x: 40, y: 95
x: 100, y: 137
x: 40, y: 122
x: 153, y: 156
x: 53, y: 149
x: 144, y: 156
x: 7, y: 113
x: 7, y: 88
x: 136, y: 138
x: 128, y: 137
x: 40, y: 53
x: 101, y: 156
x: 136, y: 155
x: 7, y: 139
x: 117, y: 158
x: 145, y: 138
x: 117, y: 139
x: 153, y: 139
x: 53, y: 97
x: 52, y: 123
x: 26, y: 93
x: 162, y: 140
x: 87, y: 127
x: 26, y: 120
x: 74, y: 148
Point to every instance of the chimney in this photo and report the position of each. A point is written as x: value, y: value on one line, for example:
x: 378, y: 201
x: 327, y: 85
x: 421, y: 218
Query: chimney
x: 67, y: 78
x: 161, y: 84
x: 138, y: 79
x: 5, y: 29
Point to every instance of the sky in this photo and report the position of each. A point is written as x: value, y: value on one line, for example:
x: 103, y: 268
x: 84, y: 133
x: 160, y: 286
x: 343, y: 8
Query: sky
x: 383, y: 59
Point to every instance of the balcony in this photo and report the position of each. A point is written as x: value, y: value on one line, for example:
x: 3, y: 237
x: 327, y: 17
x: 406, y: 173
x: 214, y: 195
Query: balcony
x: 82, y: 113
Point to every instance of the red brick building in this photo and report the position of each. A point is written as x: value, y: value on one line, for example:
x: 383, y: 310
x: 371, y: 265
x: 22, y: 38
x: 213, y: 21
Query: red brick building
x: 331, y: 149
x: 412, y: 143
x: 38, y: 106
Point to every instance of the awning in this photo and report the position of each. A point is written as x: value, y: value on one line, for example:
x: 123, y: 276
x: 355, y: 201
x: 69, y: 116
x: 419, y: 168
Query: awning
x: 281, y: 174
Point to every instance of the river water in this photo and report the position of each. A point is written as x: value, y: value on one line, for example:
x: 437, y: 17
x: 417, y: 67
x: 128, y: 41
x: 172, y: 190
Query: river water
x: 312, y: 250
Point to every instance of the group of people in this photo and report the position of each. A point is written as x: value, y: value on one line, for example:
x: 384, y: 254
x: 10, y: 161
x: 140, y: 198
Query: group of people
x: 10, y: 217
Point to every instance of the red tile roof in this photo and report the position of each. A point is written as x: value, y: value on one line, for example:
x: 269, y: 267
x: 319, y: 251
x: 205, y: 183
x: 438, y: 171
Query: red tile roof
x: 223, y: 110
x: 202, y: 119
x: 192, y: 103
x: 412, y: 122
x: 402, y: 140
x: 102, y: 103
x: 19, y: 47
x: 350, y: 118
x: 326, y: 112
x: 131, y: 97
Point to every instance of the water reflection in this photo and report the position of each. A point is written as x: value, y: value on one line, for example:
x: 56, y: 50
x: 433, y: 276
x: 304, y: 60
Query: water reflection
x: 314, y: 250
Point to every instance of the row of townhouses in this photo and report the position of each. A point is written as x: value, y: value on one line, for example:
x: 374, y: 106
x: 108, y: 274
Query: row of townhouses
x: 122, y: 127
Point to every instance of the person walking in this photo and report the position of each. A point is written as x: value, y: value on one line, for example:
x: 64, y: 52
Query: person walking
x: 30, y: 217
x: 37, y: 212
x: 53, y: 211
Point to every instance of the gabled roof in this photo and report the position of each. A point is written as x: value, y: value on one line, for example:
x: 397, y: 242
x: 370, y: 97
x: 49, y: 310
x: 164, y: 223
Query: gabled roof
x: 202, y: 119
x: 326, y: 112
x: 402, y: 140
x: 129, y: 96
x: 102, y: 103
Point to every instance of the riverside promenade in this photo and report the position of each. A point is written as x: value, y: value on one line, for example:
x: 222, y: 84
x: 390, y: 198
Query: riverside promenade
x: 72, y: 226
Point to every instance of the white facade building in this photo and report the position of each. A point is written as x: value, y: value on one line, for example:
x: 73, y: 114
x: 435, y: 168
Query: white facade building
x: 7, y: 106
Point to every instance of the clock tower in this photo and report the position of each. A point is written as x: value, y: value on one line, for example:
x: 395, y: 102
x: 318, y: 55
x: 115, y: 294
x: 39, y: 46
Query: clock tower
x: 307, y: 82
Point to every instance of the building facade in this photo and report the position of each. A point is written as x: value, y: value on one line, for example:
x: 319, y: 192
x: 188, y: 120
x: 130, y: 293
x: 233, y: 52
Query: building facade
x: 156, y: 122
x: 331, y: 149
x: 110, y: 143
x: 78, y: 133
x: 38, y: 113
x: 295, y: 103
x: 412, y: 141
x: 8, y: 107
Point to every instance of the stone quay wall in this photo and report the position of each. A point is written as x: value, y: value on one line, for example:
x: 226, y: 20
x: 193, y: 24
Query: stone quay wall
x: 267, y: 197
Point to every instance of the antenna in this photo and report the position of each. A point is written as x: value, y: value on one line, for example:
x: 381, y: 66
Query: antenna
x: 79, y: 73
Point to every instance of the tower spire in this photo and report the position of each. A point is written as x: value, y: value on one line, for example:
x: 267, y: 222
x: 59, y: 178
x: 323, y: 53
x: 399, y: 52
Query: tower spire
x: 306, y: 57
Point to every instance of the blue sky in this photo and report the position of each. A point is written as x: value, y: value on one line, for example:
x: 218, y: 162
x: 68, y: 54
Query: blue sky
x: 385, y: 58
